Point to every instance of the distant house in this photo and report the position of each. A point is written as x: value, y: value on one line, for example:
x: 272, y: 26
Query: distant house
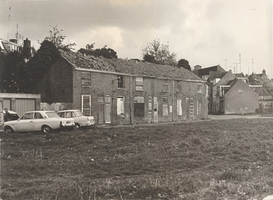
x: 117, y: 91
x: 224, y: 97
x: 236, y: 97
x: 256, y: 82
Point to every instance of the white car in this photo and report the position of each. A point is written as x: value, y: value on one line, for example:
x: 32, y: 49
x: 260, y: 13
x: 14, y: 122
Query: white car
x: 79, y: 118
x: 44, y: 121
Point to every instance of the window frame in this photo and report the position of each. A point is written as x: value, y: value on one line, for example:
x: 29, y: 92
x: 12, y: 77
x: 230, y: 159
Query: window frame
x: 120, y: 79
x: 85, y: 79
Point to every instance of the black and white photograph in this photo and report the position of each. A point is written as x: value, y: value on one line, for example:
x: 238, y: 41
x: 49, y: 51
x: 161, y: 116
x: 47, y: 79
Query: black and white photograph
x: 136, y: 100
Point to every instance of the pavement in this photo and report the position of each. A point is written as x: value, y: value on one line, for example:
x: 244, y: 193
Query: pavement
x: 254, y: 116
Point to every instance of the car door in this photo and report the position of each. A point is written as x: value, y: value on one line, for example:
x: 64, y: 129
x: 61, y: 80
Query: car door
x: 25, y: 123
x: 38, y: 121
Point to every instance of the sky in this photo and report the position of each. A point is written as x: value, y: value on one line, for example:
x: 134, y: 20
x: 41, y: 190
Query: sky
x: 235, y: 34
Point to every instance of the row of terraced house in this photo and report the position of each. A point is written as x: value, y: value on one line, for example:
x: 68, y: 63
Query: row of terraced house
x: 118, y: 91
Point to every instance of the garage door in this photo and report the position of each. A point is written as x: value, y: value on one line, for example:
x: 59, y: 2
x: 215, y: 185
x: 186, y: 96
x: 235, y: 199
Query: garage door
x: 23, y: 105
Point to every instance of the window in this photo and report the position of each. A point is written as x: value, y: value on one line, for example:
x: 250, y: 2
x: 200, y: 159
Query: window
x: 27, y: 116
x: 120, y: 81
x: 199, y: 107
x: 38, y: 116
x: 179, y: 87
x: 70, y: 114
x: 165, y: 86
x: 165, y: 106
x: 139, y: 83
x: 199, y: 88
x: 120, y: 106
x: 86, y: 79
x: 139, y: 107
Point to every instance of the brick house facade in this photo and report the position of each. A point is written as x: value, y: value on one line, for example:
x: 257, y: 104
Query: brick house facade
x: 117, y: 91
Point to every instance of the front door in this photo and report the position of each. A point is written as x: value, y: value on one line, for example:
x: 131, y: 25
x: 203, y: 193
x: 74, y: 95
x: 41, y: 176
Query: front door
x: 86, y: 105
x: 25, y: 123
x: 155, y: 110
x: 107, y: 109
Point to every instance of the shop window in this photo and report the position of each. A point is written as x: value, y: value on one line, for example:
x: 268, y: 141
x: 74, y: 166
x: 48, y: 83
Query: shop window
x: 139, y: 107
x: 139, y: 83
x: 86, y: 79
x: 120, y: 81
x: 120, y: 106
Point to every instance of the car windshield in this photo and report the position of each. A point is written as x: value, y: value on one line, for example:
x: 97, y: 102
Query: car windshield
x: 78, y: 113
x: 52, y: 115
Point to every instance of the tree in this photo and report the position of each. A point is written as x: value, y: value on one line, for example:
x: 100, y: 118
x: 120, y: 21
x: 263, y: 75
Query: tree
x: 56, y: 38
x: 105, y: 52
x: 184, y: 63
x: 159, y: 52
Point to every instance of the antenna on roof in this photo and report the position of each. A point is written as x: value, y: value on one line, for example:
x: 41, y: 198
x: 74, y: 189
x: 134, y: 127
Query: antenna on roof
x: 252, y: 65
x: 236, y: 63
x: 8, y: 22
x: 226, y: 64
x: 240, y: 63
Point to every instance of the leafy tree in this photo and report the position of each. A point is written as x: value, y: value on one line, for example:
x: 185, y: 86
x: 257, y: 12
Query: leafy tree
x: 262, y: 79
x: 11, y: 69
x: 184, y: 63
x: 39, y: 65
x: 56, y: 38
x: 105, y: 52
x: 159, y: 52
x: 149, y: 58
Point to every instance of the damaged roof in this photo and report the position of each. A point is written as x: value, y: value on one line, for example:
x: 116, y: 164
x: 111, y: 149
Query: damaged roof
x: 80, y: 61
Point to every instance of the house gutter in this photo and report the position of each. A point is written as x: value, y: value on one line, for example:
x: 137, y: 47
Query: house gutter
x: 125, y: 74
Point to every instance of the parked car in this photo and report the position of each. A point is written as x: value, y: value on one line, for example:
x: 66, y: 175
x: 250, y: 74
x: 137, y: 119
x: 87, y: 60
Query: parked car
x: 79, y: 118
x: 13, y: 115
x: 44, y: 121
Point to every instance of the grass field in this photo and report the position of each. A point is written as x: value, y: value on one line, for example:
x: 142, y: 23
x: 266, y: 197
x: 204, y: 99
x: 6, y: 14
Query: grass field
x: 207, y: 160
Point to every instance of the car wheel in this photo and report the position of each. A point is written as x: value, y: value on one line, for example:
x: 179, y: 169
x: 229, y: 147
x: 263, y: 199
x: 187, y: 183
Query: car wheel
x: 8, y: 130
x: 46, y: 129
x: 77, y: 127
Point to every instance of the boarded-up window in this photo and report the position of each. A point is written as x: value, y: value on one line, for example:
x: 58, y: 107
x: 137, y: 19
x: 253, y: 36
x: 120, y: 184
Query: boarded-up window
x: 86, y: 105
x: 165, y: 106
x: 139, y: 107
x: 120, y: 81
x: 179, y: 107
x: 86, y: 79
x: 120, y: 106
x: 139, y: 83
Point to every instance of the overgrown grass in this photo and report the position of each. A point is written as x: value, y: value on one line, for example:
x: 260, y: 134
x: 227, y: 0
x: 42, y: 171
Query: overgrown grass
x: 227, y: 159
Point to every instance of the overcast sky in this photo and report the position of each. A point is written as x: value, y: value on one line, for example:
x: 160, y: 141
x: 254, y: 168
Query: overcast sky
x: 204, y: 32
